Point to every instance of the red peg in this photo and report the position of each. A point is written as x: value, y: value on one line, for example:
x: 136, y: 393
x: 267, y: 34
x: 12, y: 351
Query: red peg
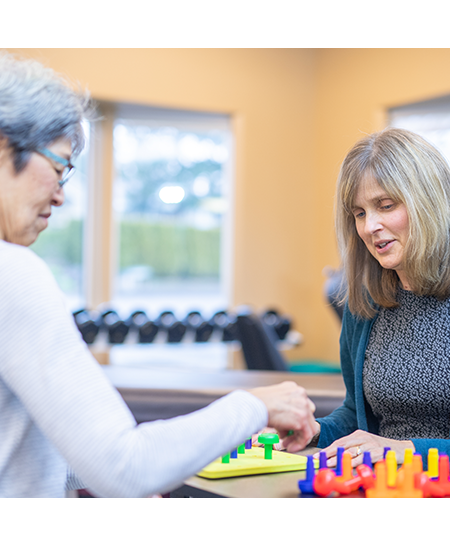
x: 429, y: 488
x: 443, y: 479
x: 364, y: 479
x: 324, y: 482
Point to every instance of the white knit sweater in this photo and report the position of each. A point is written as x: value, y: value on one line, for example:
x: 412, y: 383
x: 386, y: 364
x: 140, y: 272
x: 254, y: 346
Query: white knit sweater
x: 58, y: 410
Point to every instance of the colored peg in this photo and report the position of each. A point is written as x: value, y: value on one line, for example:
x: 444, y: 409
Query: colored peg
x: 346, y: 467
x: 407, y: 459
x: 385, y: 452
x: 248, y: 443
x: 324, y: 482
x: 428, y: 487
x: 241, y: 449
x: 306, y: 485
x: 322, y: 460
x: 364, y: 479
x: 226, y: 459
x: 407, y: 488
x: 417, y: 463
x: 340, y: 452
x: 234, y: 453
x: 367, y: 459
x: 380, y: 489
x: 433, y: 463
x: 443, y: 480
x: 268, y: 439
x: 391, y: 468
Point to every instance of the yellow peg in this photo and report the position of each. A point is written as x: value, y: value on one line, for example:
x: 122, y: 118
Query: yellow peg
x: 408, y: 456
x: 433, y: 463
x: 391, y: 467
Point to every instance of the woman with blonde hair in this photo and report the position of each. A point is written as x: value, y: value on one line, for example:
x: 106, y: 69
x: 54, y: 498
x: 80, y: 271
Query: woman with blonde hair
x: 393, y: 228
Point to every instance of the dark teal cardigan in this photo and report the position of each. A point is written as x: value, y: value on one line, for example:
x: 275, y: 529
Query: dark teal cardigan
x: 356, y: 413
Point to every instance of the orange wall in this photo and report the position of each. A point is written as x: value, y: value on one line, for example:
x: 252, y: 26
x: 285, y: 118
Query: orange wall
x: 270, y: 94
x: 296, y: 113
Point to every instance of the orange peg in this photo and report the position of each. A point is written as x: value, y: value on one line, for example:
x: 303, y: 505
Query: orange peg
x: 347, y: 471
x: 407, y: 488
x: 380, y: 490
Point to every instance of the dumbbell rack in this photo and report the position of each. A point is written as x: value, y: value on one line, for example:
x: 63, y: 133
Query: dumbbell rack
x: 102, y: 330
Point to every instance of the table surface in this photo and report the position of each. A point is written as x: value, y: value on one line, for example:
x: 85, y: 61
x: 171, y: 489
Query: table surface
x: 219, y: 382
x: 283, y: 485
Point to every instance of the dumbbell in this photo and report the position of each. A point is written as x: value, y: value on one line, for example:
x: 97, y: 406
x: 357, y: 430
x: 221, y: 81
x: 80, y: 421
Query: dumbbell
x: 280, y: 323
x: 175, y: 329
x: 87, y: 325
x: 117, y: 328
x: 147, y: 329
x: 227, y: 324
x: 203, y: 329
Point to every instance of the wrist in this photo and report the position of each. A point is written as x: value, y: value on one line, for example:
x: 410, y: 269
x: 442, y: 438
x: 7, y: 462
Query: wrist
x: 315, y: 439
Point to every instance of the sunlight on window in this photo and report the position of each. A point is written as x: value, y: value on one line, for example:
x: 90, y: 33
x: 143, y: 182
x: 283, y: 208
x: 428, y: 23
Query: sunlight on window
x: 171, y: 195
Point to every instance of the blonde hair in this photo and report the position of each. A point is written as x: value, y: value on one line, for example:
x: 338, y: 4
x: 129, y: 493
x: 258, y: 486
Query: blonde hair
x: 414, y: 173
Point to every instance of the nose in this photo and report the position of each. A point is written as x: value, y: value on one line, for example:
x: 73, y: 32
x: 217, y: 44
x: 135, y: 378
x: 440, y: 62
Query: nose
x: 373, y: 223
x: 58, y: 197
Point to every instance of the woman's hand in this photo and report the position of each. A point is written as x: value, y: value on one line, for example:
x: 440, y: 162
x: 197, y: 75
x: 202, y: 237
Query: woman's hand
x: 277, y: 446
x: 290, y: 412
x: 360, y: 441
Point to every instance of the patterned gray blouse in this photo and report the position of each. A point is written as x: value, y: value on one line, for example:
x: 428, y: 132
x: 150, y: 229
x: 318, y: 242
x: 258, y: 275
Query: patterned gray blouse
x: 406, y: 374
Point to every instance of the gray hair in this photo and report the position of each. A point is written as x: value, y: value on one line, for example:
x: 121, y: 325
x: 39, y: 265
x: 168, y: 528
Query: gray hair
x: 37, y: 107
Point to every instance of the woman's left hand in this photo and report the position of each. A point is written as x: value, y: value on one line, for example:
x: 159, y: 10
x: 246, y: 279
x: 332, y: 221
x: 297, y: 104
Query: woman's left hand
x: 360, y: 441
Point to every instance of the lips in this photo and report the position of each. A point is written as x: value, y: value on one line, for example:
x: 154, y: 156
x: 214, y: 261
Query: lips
x: 383, y: 245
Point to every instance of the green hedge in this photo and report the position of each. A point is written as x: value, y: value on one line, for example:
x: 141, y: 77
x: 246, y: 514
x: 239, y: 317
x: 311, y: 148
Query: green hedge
x: 170, y: 250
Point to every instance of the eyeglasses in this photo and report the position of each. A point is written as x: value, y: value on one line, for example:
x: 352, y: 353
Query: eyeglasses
x: 66, y: 169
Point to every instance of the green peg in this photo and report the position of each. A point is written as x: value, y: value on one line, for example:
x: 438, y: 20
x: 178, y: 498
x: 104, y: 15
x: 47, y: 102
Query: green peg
x: 268, y: 440
x: 241, y: 449
x: 226, y: 459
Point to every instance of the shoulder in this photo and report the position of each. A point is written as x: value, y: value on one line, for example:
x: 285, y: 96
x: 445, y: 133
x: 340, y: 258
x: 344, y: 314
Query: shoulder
x: 24, y: 277
x: 16, y: 259
x: 355, y: 327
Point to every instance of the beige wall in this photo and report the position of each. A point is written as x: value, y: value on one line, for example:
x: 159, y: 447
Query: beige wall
x: 296, y: 113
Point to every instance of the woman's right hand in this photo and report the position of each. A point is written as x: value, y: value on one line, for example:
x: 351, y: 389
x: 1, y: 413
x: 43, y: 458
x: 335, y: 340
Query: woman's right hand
x: 290, y: 409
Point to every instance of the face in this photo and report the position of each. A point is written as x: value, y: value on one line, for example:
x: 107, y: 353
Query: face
x: 383, y: 225
x: 26, y: 198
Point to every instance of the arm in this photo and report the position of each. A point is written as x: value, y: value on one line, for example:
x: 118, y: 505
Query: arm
x: 45, y: 363
x: 343, y: 420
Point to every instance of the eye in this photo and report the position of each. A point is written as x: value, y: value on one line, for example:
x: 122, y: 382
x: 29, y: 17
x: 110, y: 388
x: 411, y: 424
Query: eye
x: 359, y: 214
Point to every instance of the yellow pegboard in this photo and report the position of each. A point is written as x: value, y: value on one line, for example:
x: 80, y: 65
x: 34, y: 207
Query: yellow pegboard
x: 253, y: 462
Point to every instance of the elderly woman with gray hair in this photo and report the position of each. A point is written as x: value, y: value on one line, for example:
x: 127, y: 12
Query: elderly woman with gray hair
x: 62, y: 425
x: 393, y: 227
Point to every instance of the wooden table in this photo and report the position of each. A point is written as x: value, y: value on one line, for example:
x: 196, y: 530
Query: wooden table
x: 156, y: 393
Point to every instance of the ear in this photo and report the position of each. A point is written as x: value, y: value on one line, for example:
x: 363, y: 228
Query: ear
x: 4, y: 148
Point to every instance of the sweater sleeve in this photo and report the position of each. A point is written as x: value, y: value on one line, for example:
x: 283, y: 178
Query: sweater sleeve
x: 343, y: 420
x: 46, y: 364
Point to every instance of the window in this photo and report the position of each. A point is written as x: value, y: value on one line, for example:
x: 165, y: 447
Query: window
x: 430, y: 119
x: 61, y: 244
x: 171, y: 205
